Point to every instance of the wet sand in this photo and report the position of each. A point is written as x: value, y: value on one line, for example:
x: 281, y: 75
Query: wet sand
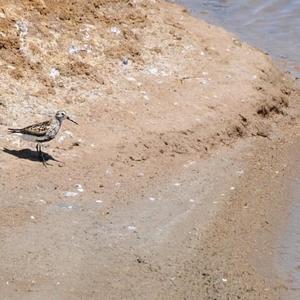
x: 272, y: 27
x: 287, y: 252
x: 164, y: 190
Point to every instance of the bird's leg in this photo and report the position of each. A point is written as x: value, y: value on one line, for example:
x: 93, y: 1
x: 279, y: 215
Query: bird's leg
x: 42, y: 155
x: 37, y: 148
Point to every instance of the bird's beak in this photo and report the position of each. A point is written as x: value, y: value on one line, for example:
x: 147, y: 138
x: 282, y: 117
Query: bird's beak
x: 72, y: 120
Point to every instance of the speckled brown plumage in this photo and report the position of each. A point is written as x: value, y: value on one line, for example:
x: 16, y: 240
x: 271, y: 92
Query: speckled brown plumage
x: 42, y: 132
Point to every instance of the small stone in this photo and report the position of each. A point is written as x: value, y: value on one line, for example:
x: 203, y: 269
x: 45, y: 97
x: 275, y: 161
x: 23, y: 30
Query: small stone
x: 153, y: 70
x: 115, y: 30
x: 54, y: 73
x: 240, y: 172
x: 125, y: 61
x: 130, y: 78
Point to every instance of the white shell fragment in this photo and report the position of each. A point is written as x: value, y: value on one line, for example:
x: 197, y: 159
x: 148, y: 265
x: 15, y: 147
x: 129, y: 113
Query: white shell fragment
x: 131, y: 227
x: 79, y: 188
x: 70, y: 194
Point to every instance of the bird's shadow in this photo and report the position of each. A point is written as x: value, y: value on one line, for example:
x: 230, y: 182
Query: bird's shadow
x: 29, y: 154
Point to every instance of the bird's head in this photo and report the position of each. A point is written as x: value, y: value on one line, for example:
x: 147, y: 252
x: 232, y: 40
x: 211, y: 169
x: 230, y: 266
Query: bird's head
x: 62, y: 115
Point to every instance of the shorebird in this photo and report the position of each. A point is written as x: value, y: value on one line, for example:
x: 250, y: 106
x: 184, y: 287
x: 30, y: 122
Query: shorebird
x: 42, y: 132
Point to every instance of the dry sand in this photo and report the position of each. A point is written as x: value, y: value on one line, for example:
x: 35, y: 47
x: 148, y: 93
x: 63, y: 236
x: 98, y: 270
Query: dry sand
x: 163, y: 191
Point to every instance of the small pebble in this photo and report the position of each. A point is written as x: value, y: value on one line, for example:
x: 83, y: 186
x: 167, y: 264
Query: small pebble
x: 32, y: 217
x: 189, y: 163
x: 108, y: 171
x: 131, y: 79
x: 153, y: 70
x: 115, y: 30
x: 240, y: 172
x: 54, y: 73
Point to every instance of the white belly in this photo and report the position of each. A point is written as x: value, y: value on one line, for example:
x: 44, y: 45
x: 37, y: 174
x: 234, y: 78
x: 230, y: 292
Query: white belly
x: 35, y: 139
x: 28, y: 137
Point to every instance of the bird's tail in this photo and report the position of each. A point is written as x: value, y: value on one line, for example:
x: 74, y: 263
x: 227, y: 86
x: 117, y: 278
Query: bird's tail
x: 14, y: 130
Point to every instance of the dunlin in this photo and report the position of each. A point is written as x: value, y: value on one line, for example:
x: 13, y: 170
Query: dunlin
x: 42, y: 132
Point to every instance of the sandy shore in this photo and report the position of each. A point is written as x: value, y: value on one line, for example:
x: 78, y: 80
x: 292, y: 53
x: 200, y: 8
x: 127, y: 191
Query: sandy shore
x: 167, y: 188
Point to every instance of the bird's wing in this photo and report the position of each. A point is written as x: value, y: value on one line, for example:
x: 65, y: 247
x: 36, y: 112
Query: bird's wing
x: 38, y: 129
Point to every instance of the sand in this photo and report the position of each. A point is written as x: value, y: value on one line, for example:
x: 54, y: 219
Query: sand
x: 180, y: 122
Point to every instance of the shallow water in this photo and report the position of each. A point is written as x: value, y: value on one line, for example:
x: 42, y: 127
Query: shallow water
x: 272, y: 25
